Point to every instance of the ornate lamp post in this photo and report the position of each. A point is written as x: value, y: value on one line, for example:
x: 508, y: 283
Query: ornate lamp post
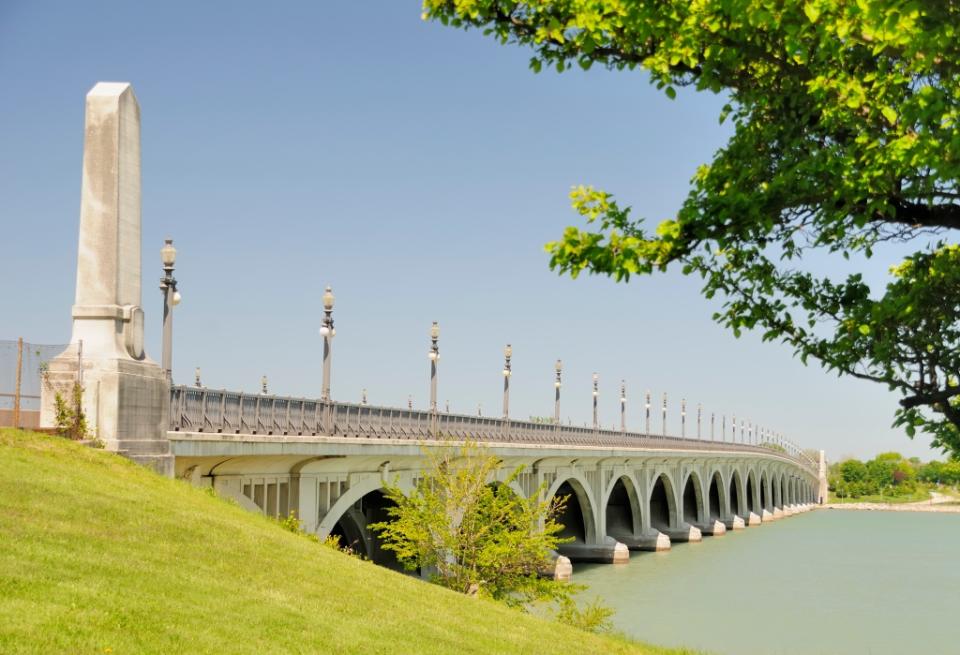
x: 363, y: 397
x: 263, y: 385
x: 327, y: 331
x: 699, y: 418
x: 723, y: 428
x: 663, y: 416
x: 683, y: 418
x: 713, y: 422
x: 171, y: 298
x: 733, y: 426
x: 556, y: 401
x: 596, y: 393
x: 623, y: 406
x: 196, y: 378
x: 646, y: 429
x: 434, y: 356
x: 507, y: 354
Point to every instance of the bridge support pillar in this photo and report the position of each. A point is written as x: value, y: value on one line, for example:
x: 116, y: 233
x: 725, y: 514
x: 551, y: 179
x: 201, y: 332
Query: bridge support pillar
x: 766, y: 515
x: 610, y: 551
x: 778, y: 513
x: 735, y: 523
x: 686, y: 533
x: 753, y: 519
x: 713, y: 528
x: 655, y: 541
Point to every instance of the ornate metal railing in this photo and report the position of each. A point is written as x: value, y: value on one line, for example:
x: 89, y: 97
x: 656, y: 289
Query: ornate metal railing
x: 197, y: 409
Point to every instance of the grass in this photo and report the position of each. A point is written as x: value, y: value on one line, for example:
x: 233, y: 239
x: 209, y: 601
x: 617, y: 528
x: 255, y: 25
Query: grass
x: 98, y: 555
x: 916, y: 497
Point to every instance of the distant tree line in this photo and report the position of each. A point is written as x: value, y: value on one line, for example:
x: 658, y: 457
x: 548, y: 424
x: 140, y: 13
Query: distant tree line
x: 889, y: 474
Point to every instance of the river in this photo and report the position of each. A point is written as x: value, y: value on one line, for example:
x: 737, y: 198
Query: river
x: 826, y: 581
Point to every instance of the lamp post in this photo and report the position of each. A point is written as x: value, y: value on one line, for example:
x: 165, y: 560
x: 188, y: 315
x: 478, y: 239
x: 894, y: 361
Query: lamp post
x: 196, y: 377
x: 663, y: 416
x: 713, y: 422
x: 263, y: 385
x: 556, y: 401
x: 646, y: 430
x: 363, y: 397
x: 623, y: 406
x: 723, y: 428
x: 507, y: 354
x: 733, y: 426
x: 699, y: 418
x: 683, y: 418
x: 595, y: 394
x: 171, y: 298
x: 434, y: 356
x: 327, y: 331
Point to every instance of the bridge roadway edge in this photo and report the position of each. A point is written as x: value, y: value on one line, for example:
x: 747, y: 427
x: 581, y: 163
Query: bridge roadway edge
x: 325, y: 481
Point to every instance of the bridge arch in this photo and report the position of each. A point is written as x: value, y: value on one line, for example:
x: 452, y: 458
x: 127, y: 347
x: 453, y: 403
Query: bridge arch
x: 752, y: 495
x: 363, y: 503
x: 738, y: 502
x: 578, y: 516
x: 716, y: 497
x: 693, y: 505
x: 622, y: 508
x: 764, y: 491
x: 662, y: 503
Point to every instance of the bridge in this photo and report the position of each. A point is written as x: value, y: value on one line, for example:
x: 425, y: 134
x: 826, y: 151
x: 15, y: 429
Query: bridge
x: 328, y: 461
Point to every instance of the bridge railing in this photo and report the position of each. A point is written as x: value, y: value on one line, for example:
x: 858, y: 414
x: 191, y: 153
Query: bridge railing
x: 198, y: 409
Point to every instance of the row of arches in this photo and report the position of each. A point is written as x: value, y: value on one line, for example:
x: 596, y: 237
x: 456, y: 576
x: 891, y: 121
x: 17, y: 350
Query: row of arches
x: 627, y: 511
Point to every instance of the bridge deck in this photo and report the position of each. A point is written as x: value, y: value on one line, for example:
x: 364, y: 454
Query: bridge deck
x: 195, y: 411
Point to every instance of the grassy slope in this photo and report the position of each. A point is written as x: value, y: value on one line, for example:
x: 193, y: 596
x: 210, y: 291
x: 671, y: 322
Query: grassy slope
x: 916, y: 497
x: 100, y: 556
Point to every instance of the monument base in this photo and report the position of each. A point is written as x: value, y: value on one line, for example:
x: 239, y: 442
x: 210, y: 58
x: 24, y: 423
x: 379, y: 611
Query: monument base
x: 126, y: 404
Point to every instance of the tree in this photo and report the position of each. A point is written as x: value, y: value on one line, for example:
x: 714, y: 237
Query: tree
x: 845, y: 137
x: 480, y: 537
x: 853, y: 470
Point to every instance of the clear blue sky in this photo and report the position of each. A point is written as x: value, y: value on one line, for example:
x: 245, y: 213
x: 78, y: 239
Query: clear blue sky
x: 417, y: 169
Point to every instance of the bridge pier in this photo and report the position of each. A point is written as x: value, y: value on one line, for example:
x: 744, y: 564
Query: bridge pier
x: 715, y: 528
x: 610, y: 551
x: 735, y: 523
x: 686, y: 533
x: 652, y: 542
x: 753, y: 520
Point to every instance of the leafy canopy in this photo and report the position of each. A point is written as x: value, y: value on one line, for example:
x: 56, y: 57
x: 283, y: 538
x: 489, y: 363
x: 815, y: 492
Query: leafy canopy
x: 845, y: 136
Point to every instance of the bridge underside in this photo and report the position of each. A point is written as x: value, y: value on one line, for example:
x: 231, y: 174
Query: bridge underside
x: 619, y: 499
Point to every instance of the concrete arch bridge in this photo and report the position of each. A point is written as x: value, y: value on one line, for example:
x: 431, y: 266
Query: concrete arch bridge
x: 329, y: 462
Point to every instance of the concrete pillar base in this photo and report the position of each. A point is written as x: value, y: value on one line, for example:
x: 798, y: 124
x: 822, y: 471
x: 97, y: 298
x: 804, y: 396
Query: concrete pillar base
x: 688, y: 533
x: 713, y: 528
x: 753, y: 519
x: 788, y: 510
x: 562, y: 569
x: 735, y: 523
x: 656, y: 541
x: 611, y: 552
x: 766, y: 516
x: 778, y: 513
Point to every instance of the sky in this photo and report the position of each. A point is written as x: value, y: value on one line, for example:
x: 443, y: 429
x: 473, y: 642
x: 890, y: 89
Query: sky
x: 418, y: 170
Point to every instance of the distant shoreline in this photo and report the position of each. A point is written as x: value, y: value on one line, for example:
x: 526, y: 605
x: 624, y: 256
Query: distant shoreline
x: 938, y: 503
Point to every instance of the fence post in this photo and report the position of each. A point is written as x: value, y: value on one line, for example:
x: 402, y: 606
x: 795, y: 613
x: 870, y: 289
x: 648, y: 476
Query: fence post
x: 16, y: 392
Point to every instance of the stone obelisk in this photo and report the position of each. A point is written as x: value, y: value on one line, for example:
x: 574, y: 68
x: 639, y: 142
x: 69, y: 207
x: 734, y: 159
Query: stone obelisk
x: 125, y: 394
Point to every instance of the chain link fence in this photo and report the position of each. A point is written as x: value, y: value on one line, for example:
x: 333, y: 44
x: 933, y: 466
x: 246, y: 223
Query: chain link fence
x: 22, y: 368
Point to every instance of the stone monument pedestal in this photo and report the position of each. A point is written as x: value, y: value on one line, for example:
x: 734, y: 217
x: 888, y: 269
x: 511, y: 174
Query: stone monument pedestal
x: 126, y: 395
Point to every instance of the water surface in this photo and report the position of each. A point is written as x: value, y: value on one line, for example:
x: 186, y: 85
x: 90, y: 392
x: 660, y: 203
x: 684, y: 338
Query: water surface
x: 823, y: 582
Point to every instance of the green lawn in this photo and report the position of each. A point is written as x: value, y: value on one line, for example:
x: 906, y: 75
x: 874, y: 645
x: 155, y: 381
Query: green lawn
x: 917, y: 496
x: 98, y: 555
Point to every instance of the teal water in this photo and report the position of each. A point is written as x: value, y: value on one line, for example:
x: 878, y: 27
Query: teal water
x: 822, y: 582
